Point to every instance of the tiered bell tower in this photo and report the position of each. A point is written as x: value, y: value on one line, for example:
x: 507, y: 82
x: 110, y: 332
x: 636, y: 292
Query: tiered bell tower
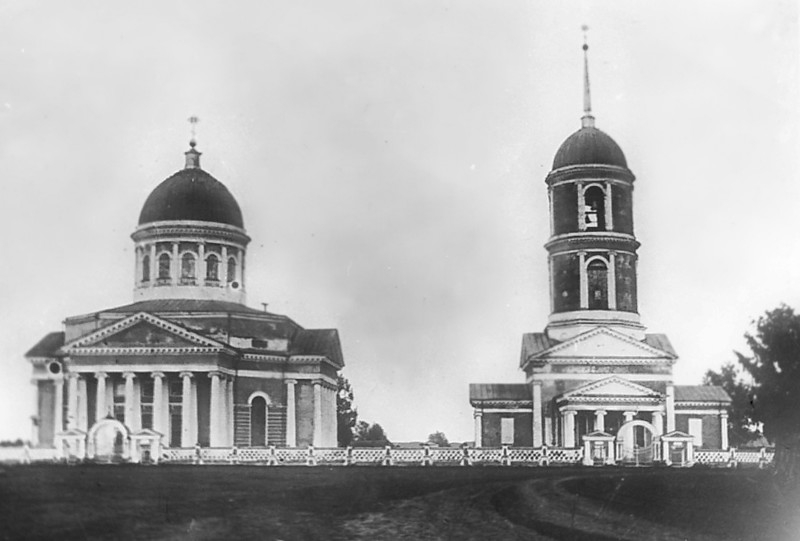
x: 592, y: 247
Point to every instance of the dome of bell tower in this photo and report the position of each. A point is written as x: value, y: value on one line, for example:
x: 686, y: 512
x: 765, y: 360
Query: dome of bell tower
x: 589, y: 146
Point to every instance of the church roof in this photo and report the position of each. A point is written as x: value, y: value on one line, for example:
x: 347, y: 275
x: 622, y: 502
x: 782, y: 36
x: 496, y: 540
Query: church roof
x: 700, y: 393
x: 185, y: 305
x: 318, y: 342
x: 47, y: 346
x: 499, y: 391
x: 537, y: 342
x: 589, y: 146
x: 191, y: 194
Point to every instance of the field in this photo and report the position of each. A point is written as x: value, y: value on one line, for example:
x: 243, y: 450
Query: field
x: 287, y: 503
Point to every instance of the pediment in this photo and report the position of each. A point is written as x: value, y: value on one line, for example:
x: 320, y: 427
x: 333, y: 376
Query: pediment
x: 613, y: 386
x: 142, y: 330
x: 603, y: 343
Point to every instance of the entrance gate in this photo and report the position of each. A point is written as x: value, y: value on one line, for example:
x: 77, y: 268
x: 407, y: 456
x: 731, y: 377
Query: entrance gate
x: 636, y: 443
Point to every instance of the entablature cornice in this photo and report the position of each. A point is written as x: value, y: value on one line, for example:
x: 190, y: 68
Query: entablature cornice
x: 148, y: 351
x: 610, y: 399
x: 191, y: 230
x: 590, y: 172
x: 502, y: 404
x: 589, y: 241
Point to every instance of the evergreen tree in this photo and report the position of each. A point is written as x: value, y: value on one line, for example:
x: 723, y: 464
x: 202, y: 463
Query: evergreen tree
x: 346, y: 414
x: 775, y: 368
x: 438, y: 438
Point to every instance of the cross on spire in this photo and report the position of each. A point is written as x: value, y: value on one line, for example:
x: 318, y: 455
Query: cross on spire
x: 193, y: 120
x: 587, y: 120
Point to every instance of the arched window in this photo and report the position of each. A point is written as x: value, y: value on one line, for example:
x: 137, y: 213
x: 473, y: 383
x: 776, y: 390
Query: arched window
x: 231, y: 269
x: 188, y: 266
x: 594, y: 209
x: 212, y: 268
x: 597, y: 278
x: 164, y: 267
x: 258, y: 421
x: 146, y: 268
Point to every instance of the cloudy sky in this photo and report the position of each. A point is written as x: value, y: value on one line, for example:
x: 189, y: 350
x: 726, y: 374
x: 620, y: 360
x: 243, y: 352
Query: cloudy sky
x: 389, y: 158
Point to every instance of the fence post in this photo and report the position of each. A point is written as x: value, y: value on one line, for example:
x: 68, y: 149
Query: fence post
x: 233, y: 458
x: 465, y: 459
x: 348, y: 459
x: 762, y: 458
x: 545, y: 460
x: 311, y: 459
x: 387, y: 457
x: 426, y: 455
x: 505, y: 460
x: 732, y: 458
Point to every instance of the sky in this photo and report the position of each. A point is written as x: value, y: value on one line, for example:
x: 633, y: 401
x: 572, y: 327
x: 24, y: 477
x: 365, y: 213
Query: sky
x: 389, y: 158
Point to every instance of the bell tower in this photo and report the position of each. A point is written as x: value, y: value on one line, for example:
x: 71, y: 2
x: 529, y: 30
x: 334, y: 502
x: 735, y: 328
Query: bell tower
x: 592, y: 248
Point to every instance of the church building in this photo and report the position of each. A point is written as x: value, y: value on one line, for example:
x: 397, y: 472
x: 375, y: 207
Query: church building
x: 188, y: 362
x: 595, y: 373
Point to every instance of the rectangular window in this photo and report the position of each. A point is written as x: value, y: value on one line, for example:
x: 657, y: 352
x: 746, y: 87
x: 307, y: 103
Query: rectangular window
x: 119, y: 400
x: 507, y: 430
x: 696, y: 430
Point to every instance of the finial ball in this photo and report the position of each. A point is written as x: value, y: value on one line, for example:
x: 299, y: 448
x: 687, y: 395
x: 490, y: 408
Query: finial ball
x: 585, y: 47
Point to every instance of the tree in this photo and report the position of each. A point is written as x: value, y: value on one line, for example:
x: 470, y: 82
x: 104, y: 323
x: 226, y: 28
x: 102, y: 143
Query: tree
x: 438, y: 438
x: 775, y: 369
x: 370, y: 435
x: 741, y: 422
x: 346, y: 414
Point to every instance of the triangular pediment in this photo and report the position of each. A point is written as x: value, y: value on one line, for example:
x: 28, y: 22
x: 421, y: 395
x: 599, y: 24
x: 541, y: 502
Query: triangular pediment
x: 142, y: 330
x: 612, y: 386
x: 600, y: 343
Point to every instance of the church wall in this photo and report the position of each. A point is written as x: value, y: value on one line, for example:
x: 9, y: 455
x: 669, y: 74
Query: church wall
x: 46, y: 407
x: 621, y: 206
x: 565, y: 208
x: 625, y: 269
x: 712, y: 439
x: 304, y: 398
x: 566, y: 283
x: 274, y: 388
x: 523, y: 428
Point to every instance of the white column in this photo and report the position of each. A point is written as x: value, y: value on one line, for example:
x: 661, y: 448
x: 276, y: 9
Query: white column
x: 584, y: 280
x: 581, y: 207
x: 317, y: 413
x: 629, y: 415
x: 612, y: 281
x: 478, y: 415
x: 83, y: 405
x: 176, y: 264
x: 723, y: 427
x: 130, y: 404
x: 201, y: 264
x: 58, y: 414
x: 153, y: 265
x: 100, y: 407
x: 223, y: 270
x: 670, y: 407
x: 186, y: 410
x: 658, y: 422
x: 291, y: 422
x: 230, y: 412
x: 72, y: 401
x: 548, y: 430
x: 600, y: 421
x: 537, y: 413
x: 608, y: 207
x: 158, y: 403
x: 569, y: 429
x: 216, y: 410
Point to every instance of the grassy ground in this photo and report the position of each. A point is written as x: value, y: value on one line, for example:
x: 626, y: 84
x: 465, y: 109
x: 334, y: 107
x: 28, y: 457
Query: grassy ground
x: 287, y: 503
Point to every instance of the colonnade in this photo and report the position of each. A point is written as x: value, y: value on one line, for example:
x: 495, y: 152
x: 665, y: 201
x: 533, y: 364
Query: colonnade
x: 220, y: 403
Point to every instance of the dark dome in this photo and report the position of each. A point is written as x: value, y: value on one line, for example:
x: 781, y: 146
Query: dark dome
x: 191, y: 194
x: 589, y: 146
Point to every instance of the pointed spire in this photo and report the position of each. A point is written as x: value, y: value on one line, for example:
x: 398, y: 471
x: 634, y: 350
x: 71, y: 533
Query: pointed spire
x: 192, y: 155
x: 587, y: 120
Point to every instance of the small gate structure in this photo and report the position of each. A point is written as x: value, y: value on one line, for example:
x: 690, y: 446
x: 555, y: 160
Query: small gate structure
x: 598, y: 449
x: 636, y: 443
x: 677, y: 448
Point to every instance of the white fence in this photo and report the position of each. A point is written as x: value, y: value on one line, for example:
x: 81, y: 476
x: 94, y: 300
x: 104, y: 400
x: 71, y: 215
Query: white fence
x: 388, y: 456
